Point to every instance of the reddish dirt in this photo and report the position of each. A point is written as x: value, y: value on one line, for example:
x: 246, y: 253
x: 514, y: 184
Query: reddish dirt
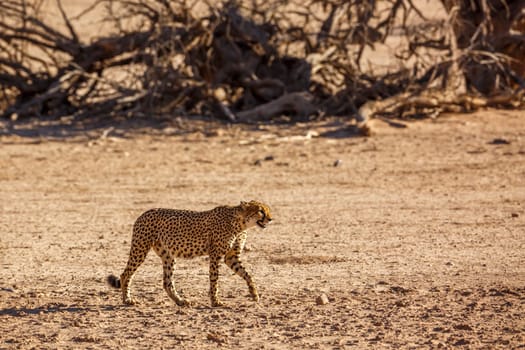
x: 416, y: 237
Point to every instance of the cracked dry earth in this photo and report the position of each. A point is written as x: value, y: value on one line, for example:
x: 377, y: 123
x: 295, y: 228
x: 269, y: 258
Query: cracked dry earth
x: 416, y: 237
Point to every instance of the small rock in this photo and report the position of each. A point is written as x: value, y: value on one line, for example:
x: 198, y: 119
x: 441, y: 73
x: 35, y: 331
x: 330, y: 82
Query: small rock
x: 461, y: 342
x: 169, y: 131
x: 338, y: 162
x: 216, y: 133
x: 217, y: 337
x: 465, y: 292
x: 400, y: 303
x: 514, y: 215
x: 268, y: 158
x: 398, y: 289
x: 463, y: 327
x: 322, y: 299
x: 499, y: 141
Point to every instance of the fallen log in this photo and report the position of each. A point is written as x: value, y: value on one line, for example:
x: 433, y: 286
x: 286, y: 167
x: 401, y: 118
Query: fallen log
x: 296, y: 103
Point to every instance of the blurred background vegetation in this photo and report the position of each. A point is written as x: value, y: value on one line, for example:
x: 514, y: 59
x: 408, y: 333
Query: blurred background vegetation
x: 253, y: 61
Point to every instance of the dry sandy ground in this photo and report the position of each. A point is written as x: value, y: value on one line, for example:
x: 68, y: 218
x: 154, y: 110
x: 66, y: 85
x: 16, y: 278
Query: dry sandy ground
x: 416, y: 237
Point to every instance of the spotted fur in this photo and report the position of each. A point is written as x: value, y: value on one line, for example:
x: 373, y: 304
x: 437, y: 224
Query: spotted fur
x: 219, y: 233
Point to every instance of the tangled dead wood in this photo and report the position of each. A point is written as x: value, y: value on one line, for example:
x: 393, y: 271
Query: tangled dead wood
x: 253, y: 61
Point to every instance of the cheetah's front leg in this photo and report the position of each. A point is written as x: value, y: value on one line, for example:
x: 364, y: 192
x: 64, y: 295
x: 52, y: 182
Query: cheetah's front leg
x: 233, y: 260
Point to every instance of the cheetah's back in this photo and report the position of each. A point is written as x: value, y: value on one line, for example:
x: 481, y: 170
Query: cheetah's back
x: 184, y: 233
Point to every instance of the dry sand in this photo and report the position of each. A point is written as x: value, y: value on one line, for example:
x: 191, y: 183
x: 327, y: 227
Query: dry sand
x: 416, y: 237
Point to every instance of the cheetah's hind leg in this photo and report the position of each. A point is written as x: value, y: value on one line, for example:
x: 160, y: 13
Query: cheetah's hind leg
x: 137, y: 256
x: 114, y: 282
x: 214, y: 281
x: 168, y: 265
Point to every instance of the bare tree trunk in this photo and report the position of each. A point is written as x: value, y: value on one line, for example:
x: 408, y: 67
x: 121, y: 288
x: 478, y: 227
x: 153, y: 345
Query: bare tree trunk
x: 495, y: 26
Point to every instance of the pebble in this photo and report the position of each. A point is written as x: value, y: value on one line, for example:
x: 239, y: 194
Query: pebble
x: 322, y: 299
x: 268, y: 158
x: 499, y: 141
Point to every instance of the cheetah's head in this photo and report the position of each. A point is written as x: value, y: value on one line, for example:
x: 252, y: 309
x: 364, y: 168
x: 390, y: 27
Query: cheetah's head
x: 256, y: 213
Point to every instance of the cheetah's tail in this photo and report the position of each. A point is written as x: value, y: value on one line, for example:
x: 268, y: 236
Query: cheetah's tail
x: 113, y: 281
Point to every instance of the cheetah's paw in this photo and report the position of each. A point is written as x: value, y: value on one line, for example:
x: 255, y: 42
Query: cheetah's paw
x: 217, y: 303
x: 131, y: 301
x: 183, y: 302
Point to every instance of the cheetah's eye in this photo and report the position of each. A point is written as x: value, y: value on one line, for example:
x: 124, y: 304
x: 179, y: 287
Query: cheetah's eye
x: 264, y: 216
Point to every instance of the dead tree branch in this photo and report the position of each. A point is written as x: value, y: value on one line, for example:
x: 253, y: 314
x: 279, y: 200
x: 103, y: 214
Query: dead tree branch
x: 252, y: 61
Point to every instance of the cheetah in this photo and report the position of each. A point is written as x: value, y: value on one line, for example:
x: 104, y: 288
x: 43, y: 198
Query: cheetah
x: 219, y: 233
